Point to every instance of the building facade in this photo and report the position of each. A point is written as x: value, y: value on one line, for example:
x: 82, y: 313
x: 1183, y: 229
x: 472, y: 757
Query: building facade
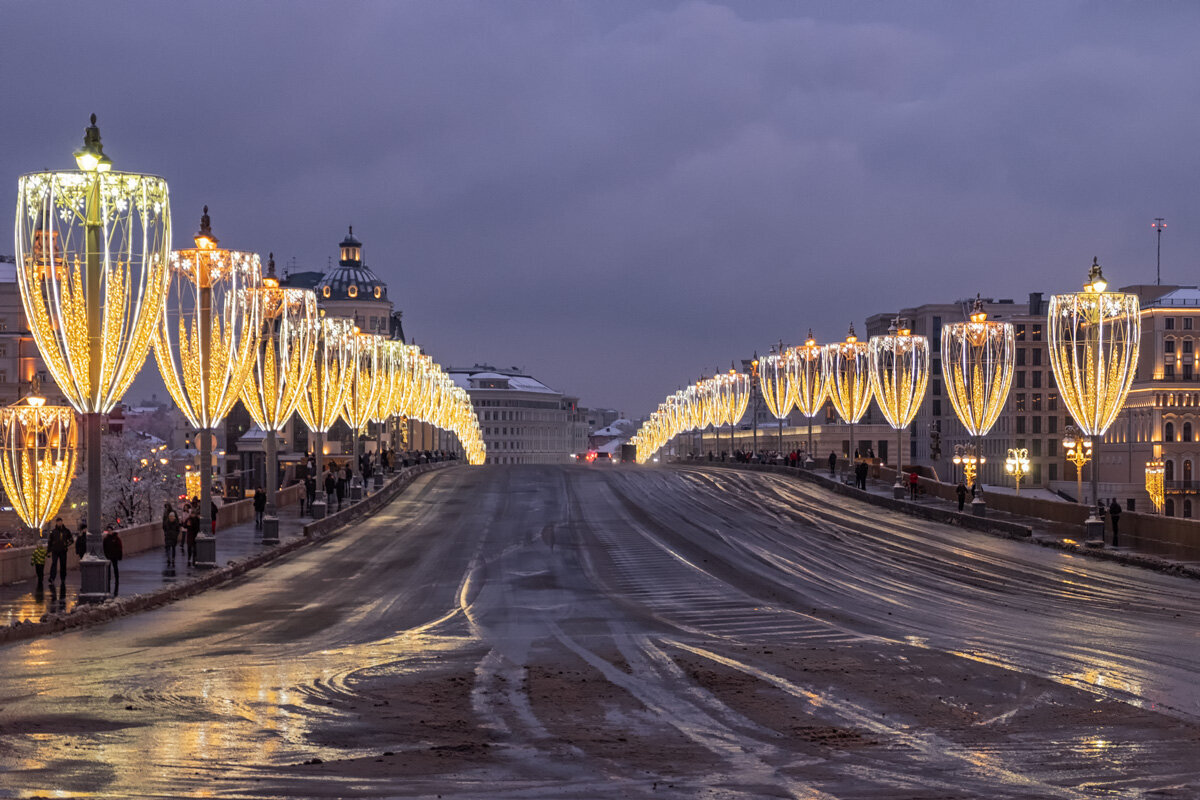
x: 523, y: 420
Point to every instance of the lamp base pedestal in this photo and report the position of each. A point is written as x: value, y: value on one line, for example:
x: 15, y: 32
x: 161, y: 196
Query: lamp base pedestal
x: 317, y: 509
x: 898, y: 490
x: 979, y: 507
x: 206, y: 551
x: 356, y: 492
x: 378, y: 479
x: 1093, y: 532
x: 270, y: 530
x: 93, y: 579
x: 808, y: 464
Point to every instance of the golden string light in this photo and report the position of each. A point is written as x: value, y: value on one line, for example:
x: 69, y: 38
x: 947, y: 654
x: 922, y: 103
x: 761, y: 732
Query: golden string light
x: 848, y: 365
x: 977, y: 363
x: 899, y: 377
x: 808, y: 381
x: 38, y: 446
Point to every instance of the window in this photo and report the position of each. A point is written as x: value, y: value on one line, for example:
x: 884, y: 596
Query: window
x: 1020, y: 333
x: 1020, y: 356
x: 1187, y: 372
x: 1169, y: 323
x: 1037, y: 379
x: 1037, y: 425
x: 1019, y: 405
x: 3, y: 376
x: 1054, y: 473
x: 936, y: 335
x: 1052, y: 402
x: 1037, y: 401
x: 1169, y: 507
x: 1169, y: 433
x: 1037, y: 357
x: 1020, y: 424
x: 1021, y: 379
x: 1169, y: 372
x: 1187, y: 431
x: 352, y: 291
x: 1037, y: 446
x: 937, y: 408
x: 378, y: 292
x: 325, y: 291
x: 1037, y: 332
x: 937, y: 387
x: 1051, y: 424
x: 3, y: 323
x: 1187, y: 345
x: 1187, y: 323
x: 1169, y: 346
x: 1052, y: 452
x: 3, y: 350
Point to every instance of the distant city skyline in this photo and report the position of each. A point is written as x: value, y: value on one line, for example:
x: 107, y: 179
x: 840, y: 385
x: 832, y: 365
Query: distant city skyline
x: 621, y: 196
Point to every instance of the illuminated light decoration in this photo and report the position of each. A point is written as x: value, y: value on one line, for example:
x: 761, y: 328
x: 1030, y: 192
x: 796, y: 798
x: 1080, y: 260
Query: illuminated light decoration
x: 320, y: 404
x: 1094, y: 337
x: 361, y: 391
x: 1017, y: 464
x: 848, y: 365
x: 283, y: 362
x: 808, y: 381
x: 92, y: 249
x: 205, y: 339
x: 391, y: 363
x: 734, y: 389
x: 967, y: 457
x: 38, y: 446
x: 977, y: 366
x: 776, y: 385
x: 1155, y: 486
x: 1078, y: 450
x: 899, y: 378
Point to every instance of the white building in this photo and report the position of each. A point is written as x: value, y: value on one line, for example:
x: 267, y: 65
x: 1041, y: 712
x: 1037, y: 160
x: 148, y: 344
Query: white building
x: 523, y: 420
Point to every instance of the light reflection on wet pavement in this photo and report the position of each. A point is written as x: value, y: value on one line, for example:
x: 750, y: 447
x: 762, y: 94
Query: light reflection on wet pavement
x: 575, y: 632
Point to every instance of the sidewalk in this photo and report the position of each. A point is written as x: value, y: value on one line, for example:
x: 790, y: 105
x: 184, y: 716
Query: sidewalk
x: 143, y: 572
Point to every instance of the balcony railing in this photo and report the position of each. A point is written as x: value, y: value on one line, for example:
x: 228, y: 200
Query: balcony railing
x: 1181, y: 486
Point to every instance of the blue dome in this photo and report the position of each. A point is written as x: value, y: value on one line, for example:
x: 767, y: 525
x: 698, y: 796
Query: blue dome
x: 351, y: 282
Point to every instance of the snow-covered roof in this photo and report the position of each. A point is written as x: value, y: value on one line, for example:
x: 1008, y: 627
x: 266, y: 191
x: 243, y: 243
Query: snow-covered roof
x: 611, y: 447
x: 1183, y: 296
x: 611, y: 430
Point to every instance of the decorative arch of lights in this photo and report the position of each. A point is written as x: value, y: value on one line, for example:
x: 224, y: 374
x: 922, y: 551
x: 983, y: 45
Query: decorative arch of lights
x: 899, y: 378
x: 977, y: 365
x: 283, y: 363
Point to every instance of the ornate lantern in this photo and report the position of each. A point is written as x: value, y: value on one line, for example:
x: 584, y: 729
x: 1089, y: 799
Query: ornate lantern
x: 1017, y: 464
x: 808, y: 381
x: 204, y: 342
x: 848, y: 365
x: 1094, y: 337
x: 320, y: 403
x: 92, y: 248
x: 38, y: 444
x: 899, y: 376
x: 977, y: 363
x: 283, y: 364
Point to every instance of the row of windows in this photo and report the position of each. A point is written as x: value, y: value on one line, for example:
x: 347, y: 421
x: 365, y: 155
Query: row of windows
x: 1033, y: 355
x: 1169, y: 433
x: 513, y: 404
x: 1187, y: 372
x: 1035, y: 424
x: 1169, y: 345
x: 1035, y: 402
x: 1169, y: 323
x: 1034, y: 379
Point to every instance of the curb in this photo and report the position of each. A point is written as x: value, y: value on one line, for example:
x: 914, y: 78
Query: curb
x: 83, y: 616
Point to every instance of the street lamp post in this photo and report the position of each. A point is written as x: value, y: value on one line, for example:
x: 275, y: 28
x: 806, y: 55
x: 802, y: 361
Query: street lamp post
x: 899, y: 377
x: 320, y: 403
x: 848, y: 365
x: 361, y: 390
x: 754, y: 411
x: 1094, y: 337
x: 1159, y: 226
x: 977, y: 365
x: 966, y: 456
x: 1079, y: 452
x: 1017, y: 465
x: 777, y: 389
x: 92, y: 251
x: 808, y: 382
x: 204, y: 347
x: 282, y: 368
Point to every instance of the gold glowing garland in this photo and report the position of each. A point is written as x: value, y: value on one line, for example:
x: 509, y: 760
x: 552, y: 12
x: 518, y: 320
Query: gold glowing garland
x: 133, y: 211
x: 284, y: 355
x: 1094, y: 340
x: 38, y: 447
x: 1155, y: 485
x: 233, y: 331
x: 848, y: 366
x: 808, y: 380
x: 320, y: 404
x: 899, y: 374
x: 775, y: 383
x: 362, y: 387
x: 977, y: 366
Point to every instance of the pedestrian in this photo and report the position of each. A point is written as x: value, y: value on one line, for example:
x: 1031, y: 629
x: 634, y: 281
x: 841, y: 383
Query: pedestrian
x: 114, y: 552
x: 60, y: 541
x: 310, y: 491
x: 1114, y: 513
x: 341, y: 486
x: 914, y: 482
x: 171, y: 526
x: 213, y: 517
x: 330, y: 487
x: 260, y: 506
x: 38, y: 560
x: 860, y: 474
x: 81, y: 540
x: 832, y: 463
x: 961, y: 491
x: 191, y: 529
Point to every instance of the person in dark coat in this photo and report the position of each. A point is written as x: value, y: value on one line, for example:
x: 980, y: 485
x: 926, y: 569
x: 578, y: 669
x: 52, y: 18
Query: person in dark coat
x: 1114, y: 513
x: 832, y: 463
x: 170, y: 526
x: 191, y: 529
x: 330, y: 487
x: 58, y: 544
x: 260, y: 505
x: 341, y: 486
x: 114, y: 552
x: 81, y: 540
x: 961, y: 491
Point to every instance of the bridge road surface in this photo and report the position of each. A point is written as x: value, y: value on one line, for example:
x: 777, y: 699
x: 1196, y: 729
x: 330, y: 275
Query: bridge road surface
x: 612, y: 632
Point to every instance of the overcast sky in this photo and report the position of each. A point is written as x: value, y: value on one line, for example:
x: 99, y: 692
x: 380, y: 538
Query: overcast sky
x: 619, y: 196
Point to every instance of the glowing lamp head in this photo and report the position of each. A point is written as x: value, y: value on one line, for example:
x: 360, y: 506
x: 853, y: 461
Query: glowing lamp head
x: 1096, y: 283
x: 90, y: 157
x: 977, y: 312
x: 851, y: 338
x: 270, y: 280
x: 811, y: 341
x: 204, y: 239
